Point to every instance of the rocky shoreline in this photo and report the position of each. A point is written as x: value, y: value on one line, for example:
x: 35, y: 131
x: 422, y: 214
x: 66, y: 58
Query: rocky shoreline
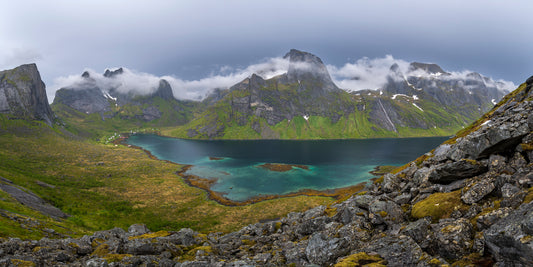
x: 466, y: 203
x: 205, y: 184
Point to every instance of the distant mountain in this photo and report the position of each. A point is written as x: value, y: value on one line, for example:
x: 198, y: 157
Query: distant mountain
x: 428, y: 83
x: 104, y: 97
x: 306, y: 103
x: 23, y: 94
x: 303, y: 103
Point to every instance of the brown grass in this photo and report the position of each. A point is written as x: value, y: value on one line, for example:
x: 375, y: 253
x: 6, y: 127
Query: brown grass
x: 281, y: 167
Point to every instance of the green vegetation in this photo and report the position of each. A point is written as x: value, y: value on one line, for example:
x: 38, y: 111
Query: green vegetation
x: 438, y: 206
x: 362, y: 259
x: 104, y: 186
x: 232, y: 118
x: 124, y: 118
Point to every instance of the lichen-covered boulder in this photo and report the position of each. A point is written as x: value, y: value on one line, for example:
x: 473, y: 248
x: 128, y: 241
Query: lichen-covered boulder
x: 322, y: 250
x: 510, y: 240
x: 453, y: 238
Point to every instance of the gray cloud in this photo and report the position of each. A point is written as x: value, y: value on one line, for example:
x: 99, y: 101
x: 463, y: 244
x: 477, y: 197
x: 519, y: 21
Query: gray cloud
x: 364, y: 73
x: 16, y: 56
x: 166, y: 37
x: 372, y: 74
x: 145, y: 83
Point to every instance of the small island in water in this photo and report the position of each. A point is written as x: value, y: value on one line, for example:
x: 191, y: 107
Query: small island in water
x: 282, y: 167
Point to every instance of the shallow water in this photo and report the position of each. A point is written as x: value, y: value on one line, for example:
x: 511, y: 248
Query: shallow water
x: 332, y: 163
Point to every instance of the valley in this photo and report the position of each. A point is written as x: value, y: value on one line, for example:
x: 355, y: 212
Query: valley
x: 469, y: 188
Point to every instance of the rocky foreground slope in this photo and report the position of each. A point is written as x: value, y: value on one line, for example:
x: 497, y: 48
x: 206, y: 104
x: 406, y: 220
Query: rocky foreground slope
x: 468, y: 202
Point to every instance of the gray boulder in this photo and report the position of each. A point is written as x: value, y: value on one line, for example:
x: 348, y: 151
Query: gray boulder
x: 510, y: 240
x: 397, y: 250
x: 453, y: 238
x: 449, y: 172
x: 478, y: 191
x: 322, y: 250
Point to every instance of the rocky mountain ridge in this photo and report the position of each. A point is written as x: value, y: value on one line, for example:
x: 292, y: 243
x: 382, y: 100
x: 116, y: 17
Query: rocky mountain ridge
x: 468, y: 202
x: 91, y: 96
x: 23, y: 94
x: 103, y: 104
x: 425, y: 100
x: 303, y: 103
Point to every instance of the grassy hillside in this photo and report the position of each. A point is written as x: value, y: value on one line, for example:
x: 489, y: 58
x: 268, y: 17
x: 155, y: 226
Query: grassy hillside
x: 224, y: 119
x: 105, y: 186
x: 125, y: 118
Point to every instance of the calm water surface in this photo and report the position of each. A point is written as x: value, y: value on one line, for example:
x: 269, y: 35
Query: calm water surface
x: 332, y: 163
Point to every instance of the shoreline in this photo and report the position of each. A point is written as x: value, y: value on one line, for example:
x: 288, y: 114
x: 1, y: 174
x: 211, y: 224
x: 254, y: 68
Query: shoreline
x: 204, y: 184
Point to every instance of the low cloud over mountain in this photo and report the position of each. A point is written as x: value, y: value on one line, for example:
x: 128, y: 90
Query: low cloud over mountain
x: 363, y: 74
x: 372, y: 74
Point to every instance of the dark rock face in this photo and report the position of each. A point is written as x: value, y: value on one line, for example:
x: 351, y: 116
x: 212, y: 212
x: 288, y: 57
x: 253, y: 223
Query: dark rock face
x: 31, y: 200
x: 430, y: 68
x: 510, y: 239
x: 104, y: 98
x: 447, y: 173
x: 109, y: 74
x: 305, y: 66
x: 164, y: 90
x: 466, y: 96
x: 88, y: 100
x: 23, y: 94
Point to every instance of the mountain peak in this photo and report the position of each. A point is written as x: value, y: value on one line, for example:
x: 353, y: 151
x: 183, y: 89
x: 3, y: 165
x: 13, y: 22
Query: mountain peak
x: 164, y: 90
x: 427, y: 67
x: 23, y: 94
x: 111, y: 74
x: 86, y: 74
x: 306, y: 66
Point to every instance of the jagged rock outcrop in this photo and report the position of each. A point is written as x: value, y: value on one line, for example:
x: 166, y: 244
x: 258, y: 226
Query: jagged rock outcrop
x: 88, y: 100
x: 429, y: 68
x: 305, y: 66
x: 23, y: 94
x: 466, y: 97
x: 105, y: 95
x: 28, y: 198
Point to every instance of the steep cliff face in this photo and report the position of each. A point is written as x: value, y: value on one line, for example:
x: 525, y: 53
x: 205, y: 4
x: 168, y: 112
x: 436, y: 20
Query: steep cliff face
x: 427, y: 86
x: 103, y: 95
x: 23, y: 94
x: 304, y: 66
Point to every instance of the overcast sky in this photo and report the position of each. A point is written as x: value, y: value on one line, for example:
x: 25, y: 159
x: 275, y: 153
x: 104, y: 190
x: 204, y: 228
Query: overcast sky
x: 195, y: 40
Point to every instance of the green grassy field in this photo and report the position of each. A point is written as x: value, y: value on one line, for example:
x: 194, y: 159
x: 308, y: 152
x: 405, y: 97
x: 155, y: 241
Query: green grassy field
x: 104, y: 186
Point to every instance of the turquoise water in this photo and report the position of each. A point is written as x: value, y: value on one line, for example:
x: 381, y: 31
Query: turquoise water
x: 332, y: 163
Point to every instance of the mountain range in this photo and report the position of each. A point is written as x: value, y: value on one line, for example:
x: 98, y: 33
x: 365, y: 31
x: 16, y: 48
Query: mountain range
x: 468, y: 202
x: 303, y: 103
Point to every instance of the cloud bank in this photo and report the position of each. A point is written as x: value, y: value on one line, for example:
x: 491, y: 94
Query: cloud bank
x: 372, y: 74
x: 364, y: 73
x: 144, y: 83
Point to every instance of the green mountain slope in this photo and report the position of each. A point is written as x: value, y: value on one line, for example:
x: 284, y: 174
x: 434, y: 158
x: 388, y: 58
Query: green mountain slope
x: 304, y: 103
x: 346, y: 115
